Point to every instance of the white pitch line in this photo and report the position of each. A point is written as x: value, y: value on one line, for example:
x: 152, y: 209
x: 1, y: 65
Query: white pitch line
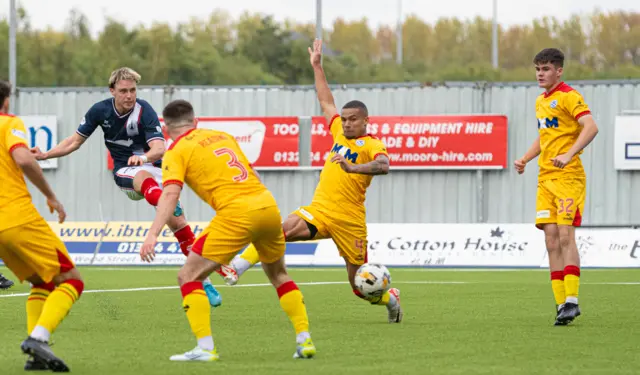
x: 235, y: 286
x: 341, y: 269
x: 328, y: 269
x: 300, y: 283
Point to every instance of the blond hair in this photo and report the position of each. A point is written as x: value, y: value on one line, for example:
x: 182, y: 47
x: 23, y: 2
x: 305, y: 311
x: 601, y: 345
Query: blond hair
x: 123, y: 74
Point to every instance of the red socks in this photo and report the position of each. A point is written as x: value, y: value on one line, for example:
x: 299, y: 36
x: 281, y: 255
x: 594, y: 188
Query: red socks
x: 151, y: 191
x: 186, y: 238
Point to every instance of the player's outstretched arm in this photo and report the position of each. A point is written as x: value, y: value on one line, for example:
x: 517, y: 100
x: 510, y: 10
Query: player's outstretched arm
x: 32, y: 170
x: 327, y: 103
x: 531, y: 154
x: 67, y: 146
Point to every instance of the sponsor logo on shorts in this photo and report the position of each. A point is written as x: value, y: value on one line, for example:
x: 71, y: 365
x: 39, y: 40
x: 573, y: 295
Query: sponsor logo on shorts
x: 544, y: 214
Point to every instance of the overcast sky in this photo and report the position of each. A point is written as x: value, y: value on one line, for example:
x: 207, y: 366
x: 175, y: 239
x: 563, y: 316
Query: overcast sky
x: 54, y: 13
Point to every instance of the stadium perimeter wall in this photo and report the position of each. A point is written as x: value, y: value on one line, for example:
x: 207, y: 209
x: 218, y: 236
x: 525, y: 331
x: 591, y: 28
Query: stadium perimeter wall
x: 86, y: 187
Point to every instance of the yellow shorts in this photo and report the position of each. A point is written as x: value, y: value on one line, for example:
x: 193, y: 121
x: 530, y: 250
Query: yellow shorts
x: 350, y: 236
x: 560, y: 202
x: 228, y: 234
x: 33, y: 249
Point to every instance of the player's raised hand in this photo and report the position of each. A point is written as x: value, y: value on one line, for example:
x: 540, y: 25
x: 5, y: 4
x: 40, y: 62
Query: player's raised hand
x: 339, y: 159
x: 148, y: 252
x: 315, y: 54
x: 520, y: 164
x: 37, y: 153
x: 55, y: 205
x: 136, y: 160
x: 561, y: 161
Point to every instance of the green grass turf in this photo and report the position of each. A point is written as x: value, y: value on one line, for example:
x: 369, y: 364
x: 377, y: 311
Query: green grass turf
x: 492, y: 322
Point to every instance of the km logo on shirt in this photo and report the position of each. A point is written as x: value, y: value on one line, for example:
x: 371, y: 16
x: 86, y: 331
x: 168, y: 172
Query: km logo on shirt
x: 346, y: 152
x: 546, y: 123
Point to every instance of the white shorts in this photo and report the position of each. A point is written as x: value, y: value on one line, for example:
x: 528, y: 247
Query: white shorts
x: 124, y: 179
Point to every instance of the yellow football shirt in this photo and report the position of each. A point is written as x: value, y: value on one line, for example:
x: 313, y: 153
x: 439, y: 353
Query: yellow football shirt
x: 16, y: 207
x: 213, y: 165
x: 343, y: 193
x: 558, y: 112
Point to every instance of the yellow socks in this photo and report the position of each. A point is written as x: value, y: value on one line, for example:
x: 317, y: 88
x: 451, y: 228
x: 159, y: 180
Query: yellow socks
x: 250, y: 254
x: 384, y: 300
x: 55, y: 308
x: 35, y: 303
x: 557, y: 284
x: 292, y: 303
x: 571, y: 283
x: 196, y: 306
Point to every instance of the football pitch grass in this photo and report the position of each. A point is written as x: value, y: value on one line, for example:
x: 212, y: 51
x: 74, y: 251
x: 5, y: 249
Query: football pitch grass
x: 130, y: 320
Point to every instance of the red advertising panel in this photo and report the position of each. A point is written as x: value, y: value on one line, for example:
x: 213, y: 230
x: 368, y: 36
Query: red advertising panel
x: 445, y: 142
x: 266, y: 141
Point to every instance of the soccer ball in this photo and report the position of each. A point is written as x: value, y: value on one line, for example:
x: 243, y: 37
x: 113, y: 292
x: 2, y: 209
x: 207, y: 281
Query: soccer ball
x: 372, y: 280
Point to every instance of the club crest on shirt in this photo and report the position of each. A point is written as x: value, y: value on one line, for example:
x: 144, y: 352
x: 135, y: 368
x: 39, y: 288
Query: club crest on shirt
x: 554, y: 103
x: 360, y: 142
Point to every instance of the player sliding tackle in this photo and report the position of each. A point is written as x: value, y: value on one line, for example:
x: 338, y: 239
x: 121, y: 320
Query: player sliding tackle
x: 135, y: 141
x: 214, y: 166
x: 565, y: 128
x: 337, y: 210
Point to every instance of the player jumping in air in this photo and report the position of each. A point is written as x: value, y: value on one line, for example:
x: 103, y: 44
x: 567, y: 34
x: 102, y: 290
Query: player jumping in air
x: 565, y: 128
x: 134, y: 138
x: 214, y: 166
x: 337, y: 210
x: 29, y: 247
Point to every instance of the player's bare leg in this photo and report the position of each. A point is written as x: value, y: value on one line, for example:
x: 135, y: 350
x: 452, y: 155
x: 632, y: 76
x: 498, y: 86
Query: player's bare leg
x: 47, y: 306
x: 391, y: 298
x: 197, y: 307
x: 145, y: 184
x: 571, y: 259
x: 556, y: 265
x: 295, y: 229
x: 185, y: 235
x: 292, y: 302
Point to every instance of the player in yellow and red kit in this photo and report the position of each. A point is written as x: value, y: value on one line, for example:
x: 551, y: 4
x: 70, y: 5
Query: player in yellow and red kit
x: 337, y: 210
x: 28, y: 246
x: 565, y: 127
x: 214, y: 166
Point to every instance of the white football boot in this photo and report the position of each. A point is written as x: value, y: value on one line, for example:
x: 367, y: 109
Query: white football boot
x: 198, y: 354
x: 395, y: 313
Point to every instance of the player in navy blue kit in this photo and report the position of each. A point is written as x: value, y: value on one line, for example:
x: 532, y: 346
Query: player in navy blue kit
x: 134, y: 138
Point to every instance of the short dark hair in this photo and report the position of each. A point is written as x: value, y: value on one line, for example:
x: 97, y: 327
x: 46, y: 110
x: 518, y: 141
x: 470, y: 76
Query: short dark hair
x: 5, y: 91
x: 550, y: 56
x: 357, y: 105
x: 178, y: 112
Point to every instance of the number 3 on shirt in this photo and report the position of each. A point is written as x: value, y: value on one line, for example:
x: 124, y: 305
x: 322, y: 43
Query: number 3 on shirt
x: 233, y: 163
